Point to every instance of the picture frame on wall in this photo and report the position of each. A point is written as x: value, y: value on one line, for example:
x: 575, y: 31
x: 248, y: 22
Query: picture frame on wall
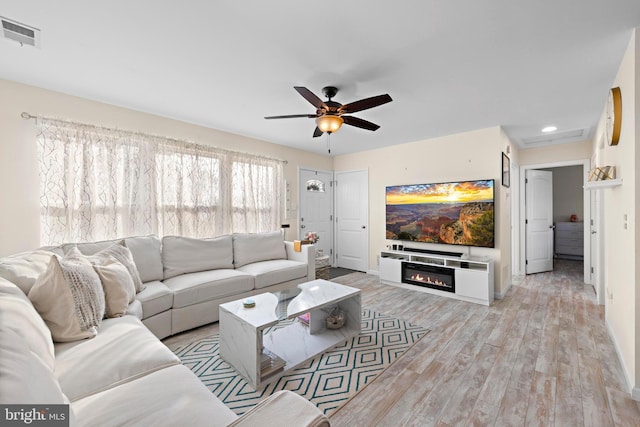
x: 506, y: 171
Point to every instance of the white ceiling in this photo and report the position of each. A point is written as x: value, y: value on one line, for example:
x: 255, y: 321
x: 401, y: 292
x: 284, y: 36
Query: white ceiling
x: 449, y: 65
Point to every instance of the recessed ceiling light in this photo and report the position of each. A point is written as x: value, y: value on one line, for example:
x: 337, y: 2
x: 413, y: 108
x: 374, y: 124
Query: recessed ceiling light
x: 549, y: 129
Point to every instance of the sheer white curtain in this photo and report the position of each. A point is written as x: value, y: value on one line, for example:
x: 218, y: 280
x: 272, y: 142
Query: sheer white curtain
x: 99, y: 183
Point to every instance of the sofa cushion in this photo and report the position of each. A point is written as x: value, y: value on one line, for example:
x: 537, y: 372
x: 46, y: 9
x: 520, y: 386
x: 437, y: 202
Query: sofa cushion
x: 119, y: 290
x: 144, y: 249
x: 269, y: 273
x: 17, y: 313
x: 155, y: 298
x: 147, y: 256
x: 169, y: 397
x: 182, y: 255
x: 26, y: 379
x: 254, y: 247
x: 192, y: 288
x: 135, y: 309
x: 24, y: 268
x: 123, y: 350
x: 69, y: 297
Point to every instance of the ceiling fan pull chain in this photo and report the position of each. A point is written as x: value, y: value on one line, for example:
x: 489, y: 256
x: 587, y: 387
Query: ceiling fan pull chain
x: 329, y: 142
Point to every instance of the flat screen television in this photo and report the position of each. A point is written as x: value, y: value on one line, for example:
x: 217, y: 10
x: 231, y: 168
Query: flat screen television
x: 453, y: 213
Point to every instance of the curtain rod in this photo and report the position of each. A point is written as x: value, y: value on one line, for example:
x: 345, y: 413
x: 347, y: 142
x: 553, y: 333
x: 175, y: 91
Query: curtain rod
x: 28, y: 116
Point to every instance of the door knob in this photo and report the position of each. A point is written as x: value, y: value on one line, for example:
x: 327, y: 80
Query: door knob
x: 364, y: 226
x: 553, y: 227
x: 303, y: 226
x: 594, y: 231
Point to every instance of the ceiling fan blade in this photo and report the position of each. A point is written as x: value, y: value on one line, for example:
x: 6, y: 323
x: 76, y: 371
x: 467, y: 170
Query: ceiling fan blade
x: 317, y: 132
x: 311, y: 97
x: 359, y: 123
x: 292, y: 116
x: 365, y: 104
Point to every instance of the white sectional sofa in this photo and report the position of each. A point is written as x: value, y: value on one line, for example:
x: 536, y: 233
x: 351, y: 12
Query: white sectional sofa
x: 125, y: 376
x: 186, y: 279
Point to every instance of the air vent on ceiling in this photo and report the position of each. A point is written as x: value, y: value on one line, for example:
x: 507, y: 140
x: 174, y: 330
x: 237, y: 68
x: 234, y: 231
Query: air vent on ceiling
x: 23, y: 34
x: 557, y: 137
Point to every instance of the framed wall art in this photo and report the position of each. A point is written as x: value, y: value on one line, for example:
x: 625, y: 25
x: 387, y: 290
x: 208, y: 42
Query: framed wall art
x: 506, y: 171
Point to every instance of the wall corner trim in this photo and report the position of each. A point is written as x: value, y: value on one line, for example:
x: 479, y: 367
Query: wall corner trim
x: 500, y: 295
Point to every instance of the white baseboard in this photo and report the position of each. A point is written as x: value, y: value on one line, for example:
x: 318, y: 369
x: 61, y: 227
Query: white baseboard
x: 374, y: 272
x: 635, y: 391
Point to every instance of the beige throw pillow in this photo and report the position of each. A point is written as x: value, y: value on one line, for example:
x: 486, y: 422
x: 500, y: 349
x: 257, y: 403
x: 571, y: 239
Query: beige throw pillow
x: 69, y: 297
x: 119, y: 290
x: 123, y: 255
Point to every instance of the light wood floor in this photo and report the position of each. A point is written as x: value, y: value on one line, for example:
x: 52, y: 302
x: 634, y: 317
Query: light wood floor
x: 541, y: 356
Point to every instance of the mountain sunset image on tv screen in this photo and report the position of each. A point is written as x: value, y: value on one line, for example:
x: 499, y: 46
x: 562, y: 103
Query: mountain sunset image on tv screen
x: 455, y: 213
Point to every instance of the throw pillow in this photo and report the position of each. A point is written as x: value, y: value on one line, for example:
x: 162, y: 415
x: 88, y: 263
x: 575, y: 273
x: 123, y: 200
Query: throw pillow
x: 123, y: 255
x: 119, y: 290
x: 69, y: 297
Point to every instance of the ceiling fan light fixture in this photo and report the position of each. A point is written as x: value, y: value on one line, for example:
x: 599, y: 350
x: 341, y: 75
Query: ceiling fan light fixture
x: 329, y: 123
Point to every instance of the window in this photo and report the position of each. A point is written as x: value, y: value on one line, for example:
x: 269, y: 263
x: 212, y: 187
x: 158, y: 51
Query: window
x: 101, y: 183
x: 315, y: 185
x: 254, y: 192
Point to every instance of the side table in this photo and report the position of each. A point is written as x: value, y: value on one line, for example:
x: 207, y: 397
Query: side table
x: 322, y: 267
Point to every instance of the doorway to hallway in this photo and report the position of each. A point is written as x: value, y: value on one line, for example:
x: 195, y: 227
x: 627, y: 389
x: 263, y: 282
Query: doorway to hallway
x: 568, y: 198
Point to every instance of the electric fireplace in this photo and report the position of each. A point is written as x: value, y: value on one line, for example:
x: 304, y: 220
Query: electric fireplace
x: 429, y: 276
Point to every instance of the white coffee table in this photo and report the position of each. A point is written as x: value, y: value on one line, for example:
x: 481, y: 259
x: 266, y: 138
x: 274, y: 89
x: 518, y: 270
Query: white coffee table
x: 242, y: 337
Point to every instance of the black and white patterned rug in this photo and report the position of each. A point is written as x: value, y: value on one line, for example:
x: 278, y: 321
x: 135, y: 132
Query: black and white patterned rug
x: 328, y: 381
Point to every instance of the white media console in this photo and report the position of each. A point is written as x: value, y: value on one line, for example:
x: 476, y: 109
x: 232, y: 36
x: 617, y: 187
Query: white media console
x: 467, y: 279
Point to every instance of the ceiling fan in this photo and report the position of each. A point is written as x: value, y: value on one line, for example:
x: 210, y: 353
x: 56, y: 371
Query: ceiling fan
x: 330, y: 115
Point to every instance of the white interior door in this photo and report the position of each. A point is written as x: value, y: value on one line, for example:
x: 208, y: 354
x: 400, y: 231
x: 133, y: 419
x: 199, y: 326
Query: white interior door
x: 352, y: 220
x: 316, y: 208
x: 597, y: 239
x: 539, y: 221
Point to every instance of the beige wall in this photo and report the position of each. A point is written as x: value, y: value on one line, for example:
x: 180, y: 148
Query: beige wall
x: 19, y: 216
x: 555, y: 153
x: 465, y: 156
x: 621, y: 246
